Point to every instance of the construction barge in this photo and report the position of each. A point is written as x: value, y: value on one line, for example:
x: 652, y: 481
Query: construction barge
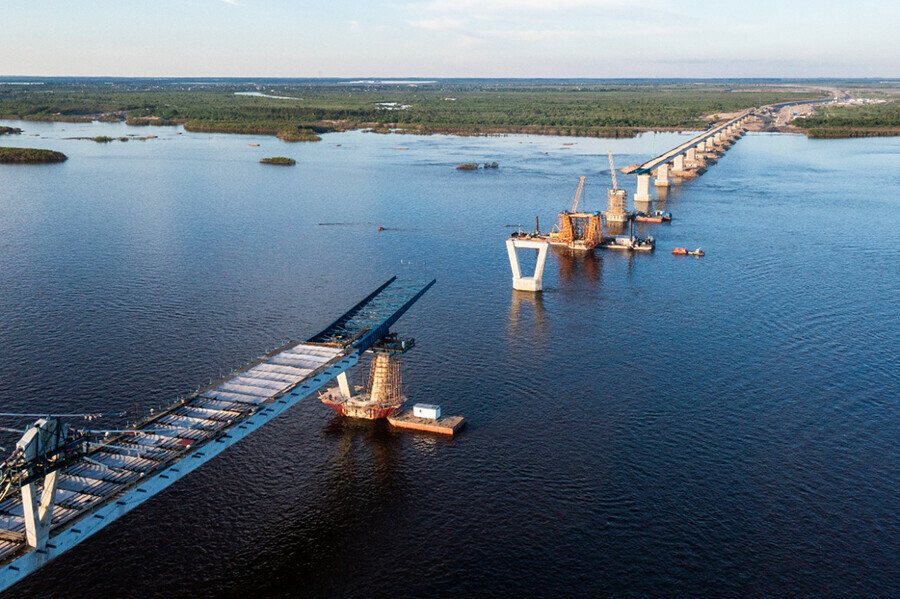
x: 629, y: 243
x: 428, y: 418
x: 654, y: 216
x: 582, y: 231
x: 62, y: 484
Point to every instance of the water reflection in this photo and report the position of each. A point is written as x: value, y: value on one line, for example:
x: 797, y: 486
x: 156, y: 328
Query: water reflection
x: 362, y: 441
x: 364, y: 485
x: 425, y: 443
x: 615, y: 228
x: 644, y: 206
x: 522, y: 305
x: 581, y: 265
x: 662, y: 197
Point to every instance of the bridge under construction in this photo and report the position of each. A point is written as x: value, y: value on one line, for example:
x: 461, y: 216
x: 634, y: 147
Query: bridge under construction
x: 60, y: 485
x: 688, y: 158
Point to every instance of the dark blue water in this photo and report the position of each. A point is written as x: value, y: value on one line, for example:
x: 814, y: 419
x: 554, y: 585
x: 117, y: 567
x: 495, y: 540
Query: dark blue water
x: 649, y: 426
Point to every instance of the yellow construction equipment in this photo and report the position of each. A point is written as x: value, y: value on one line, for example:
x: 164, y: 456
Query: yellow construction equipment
x: 578, y: 191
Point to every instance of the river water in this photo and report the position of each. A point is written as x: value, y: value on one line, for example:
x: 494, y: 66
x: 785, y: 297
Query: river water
x: 649, y: 426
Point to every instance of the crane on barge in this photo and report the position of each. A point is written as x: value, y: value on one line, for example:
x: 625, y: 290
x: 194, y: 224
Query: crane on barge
x: 580, y: 231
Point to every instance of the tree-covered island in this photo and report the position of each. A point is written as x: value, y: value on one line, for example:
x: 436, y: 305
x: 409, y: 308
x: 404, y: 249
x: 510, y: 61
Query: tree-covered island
x: 279, y: 160
x: 30, y: 156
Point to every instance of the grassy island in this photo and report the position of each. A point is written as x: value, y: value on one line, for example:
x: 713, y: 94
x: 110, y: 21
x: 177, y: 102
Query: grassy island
x: 30, y: 156
x: 105, y: 139
x: 298, y: 134
x: 280, y: 160
x: 9, y: 130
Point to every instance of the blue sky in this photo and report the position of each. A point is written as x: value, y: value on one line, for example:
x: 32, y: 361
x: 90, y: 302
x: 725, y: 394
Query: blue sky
x: 451, y: 38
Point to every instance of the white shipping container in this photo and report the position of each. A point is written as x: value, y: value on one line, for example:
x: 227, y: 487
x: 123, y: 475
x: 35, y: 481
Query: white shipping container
x: 427, y: 410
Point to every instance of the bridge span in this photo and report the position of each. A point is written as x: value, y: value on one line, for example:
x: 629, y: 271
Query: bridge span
x: 61, y: 485
x: 689, y: 154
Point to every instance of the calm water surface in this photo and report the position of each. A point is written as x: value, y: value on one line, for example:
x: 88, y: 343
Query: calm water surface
x: 649, y: 426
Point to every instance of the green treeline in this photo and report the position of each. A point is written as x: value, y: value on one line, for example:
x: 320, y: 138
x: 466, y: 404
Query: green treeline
x: 867, y: 120
x: 29, y: 156
x: 462, y: 108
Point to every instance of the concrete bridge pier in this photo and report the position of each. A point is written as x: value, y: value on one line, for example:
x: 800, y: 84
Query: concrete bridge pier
x: 662, y: 176
x: 532, y: 283
x: 702, y: 146
x: 691, y: 155
x: 678, y: 163
x: 643, y: 189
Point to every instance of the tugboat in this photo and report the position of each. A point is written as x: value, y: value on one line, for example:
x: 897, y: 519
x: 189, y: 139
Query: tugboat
x: 654, y: 216
x: 697, y: 252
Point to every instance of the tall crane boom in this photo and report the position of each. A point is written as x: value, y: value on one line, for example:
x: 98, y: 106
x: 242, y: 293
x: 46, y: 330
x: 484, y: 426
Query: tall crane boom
x: 612, y: 170
x: 578, y: 194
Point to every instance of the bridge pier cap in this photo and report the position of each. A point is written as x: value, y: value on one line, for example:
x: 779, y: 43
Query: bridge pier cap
x: 532, y: 283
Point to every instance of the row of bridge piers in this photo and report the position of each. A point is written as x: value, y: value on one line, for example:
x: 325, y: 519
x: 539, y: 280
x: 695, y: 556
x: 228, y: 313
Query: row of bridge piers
x: 692, y: 159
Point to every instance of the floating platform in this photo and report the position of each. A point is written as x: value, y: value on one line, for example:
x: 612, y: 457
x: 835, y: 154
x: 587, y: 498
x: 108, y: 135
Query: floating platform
x: 624, y: 242
x: 448, y: 425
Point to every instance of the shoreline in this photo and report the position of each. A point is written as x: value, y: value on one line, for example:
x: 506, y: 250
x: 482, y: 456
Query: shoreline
x: 311, y: 132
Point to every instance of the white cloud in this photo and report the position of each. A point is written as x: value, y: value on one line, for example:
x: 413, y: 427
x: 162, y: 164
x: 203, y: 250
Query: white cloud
x: 532, y: 35
x: 485, y: 21
x: 495, y: 7
x: 442, y: 24
x: 231, y: 2
x: 354, y: 25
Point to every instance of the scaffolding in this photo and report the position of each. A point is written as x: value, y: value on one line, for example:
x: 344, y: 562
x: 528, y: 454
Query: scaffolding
x: 580, y: 230
x: 385, y: 384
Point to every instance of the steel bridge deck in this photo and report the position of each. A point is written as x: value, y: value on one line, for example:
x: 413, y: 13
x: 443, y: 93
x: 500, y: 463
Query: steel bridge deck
x: 126, y: 470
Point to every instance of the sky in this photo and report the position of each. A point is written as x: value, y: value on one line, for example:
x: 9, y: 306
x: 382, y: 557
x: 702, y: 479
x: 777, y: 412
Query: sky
x: 451, y: 38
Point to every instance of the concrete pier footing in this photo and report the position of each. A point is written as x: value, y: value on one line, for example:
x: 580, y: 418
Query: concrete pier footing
x: 532, y: 283
x: 662, y: 176
x: 643, y: 189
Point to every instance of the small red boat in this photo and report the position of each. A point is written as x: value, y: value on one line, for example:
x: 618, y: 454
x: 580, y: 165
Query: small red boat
x: 680, y: 251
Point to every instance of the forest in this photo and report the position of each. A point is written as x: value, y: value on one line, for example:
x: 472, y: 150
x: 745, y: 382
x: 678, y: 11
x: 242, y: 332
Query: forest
x: 301, y: 110
x: 867, y: 120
